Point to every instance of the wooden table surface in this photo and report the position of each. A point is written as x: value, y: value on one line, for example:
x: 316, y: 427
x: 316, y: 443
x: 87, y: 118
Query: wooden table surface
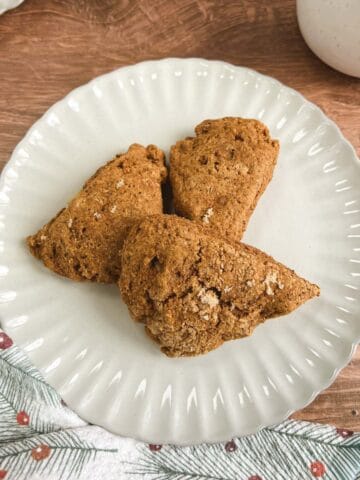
x: 48, y: 47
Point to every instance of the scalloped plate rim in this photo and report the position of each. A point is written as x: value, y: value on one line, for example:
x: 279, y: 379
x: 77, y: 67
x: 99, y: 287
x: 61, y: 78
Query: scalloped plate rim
x: 325, y: 119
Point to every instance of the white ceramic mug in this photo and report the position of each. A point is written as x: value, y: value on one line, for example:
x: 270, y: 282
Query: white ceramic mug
x: 8, y: 4
x: 331, y: 28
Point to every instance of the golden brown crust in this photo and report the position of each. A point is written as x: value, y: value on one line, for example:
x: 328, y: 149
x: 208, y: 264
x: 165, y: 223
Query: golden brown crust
x: 82, y: 242
x: 193, y: 291
x: 218, y: 176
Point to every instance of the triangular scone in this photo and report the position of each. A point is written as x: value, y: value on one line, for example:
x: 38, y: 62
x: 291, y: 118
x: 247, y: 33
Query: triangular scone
x: 83, y: 241
x: 218, y: 176
x: 193, y: 290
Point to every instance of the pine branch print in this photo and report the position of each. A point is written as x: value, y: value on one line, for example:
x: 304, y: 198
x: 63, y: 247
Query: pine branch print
x: 303, y: 451
x: 316, y: 433
x: 62, y: 453
x: 12, y: 424
x: 23, y: 420
x: 19, y: 377
x: 23, y: 404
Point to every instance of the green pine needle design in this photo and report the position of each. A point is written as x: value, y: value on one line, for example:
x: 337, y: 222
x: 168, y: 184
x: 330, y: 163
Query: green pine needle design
x: 10, y: 430
x: 20, y: 378
x: 280, y: 453
x: 68, y: 456
x: 22, y: 388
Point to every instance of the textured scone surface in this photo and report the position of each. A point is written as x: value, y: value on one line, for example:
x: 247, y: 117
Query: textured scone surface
x: 193, y: 291
x: 83, y: 241
x: 218, y: 176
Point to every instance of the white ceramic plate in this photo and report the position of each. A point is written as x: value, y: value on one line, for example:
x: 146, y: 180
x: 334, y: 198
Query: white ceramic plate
x: 80, y: 335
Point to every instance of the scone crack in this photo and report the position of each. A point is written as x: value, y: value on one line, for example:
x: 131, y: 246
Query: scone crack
x: 270, y: 280
x: 208, y: 297
x: 207, y: 215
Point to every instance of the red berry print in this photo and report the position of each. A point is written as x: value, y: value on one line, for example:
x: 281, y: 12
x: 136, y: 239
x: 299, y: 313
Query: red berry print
x: 22, y: 418
x: 230, y: 446
x: 3, y: 474
x: 40, y: 452
x: 343, y: 432
x: 155, y: 448
x: 317, y: 469
x: 5, y: 341
x: 255, y: 477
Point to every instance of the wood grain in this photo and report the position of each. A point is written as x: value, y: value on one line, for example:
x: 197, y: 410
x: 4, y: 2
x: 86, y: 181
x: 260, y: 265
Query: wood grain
x: 48, y: 47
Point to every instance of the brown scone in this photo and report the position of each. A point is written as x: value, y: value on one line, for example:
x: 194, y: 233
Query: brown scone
x: 193, y: 291
x: 218, y: 176
x: 83, y: 241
